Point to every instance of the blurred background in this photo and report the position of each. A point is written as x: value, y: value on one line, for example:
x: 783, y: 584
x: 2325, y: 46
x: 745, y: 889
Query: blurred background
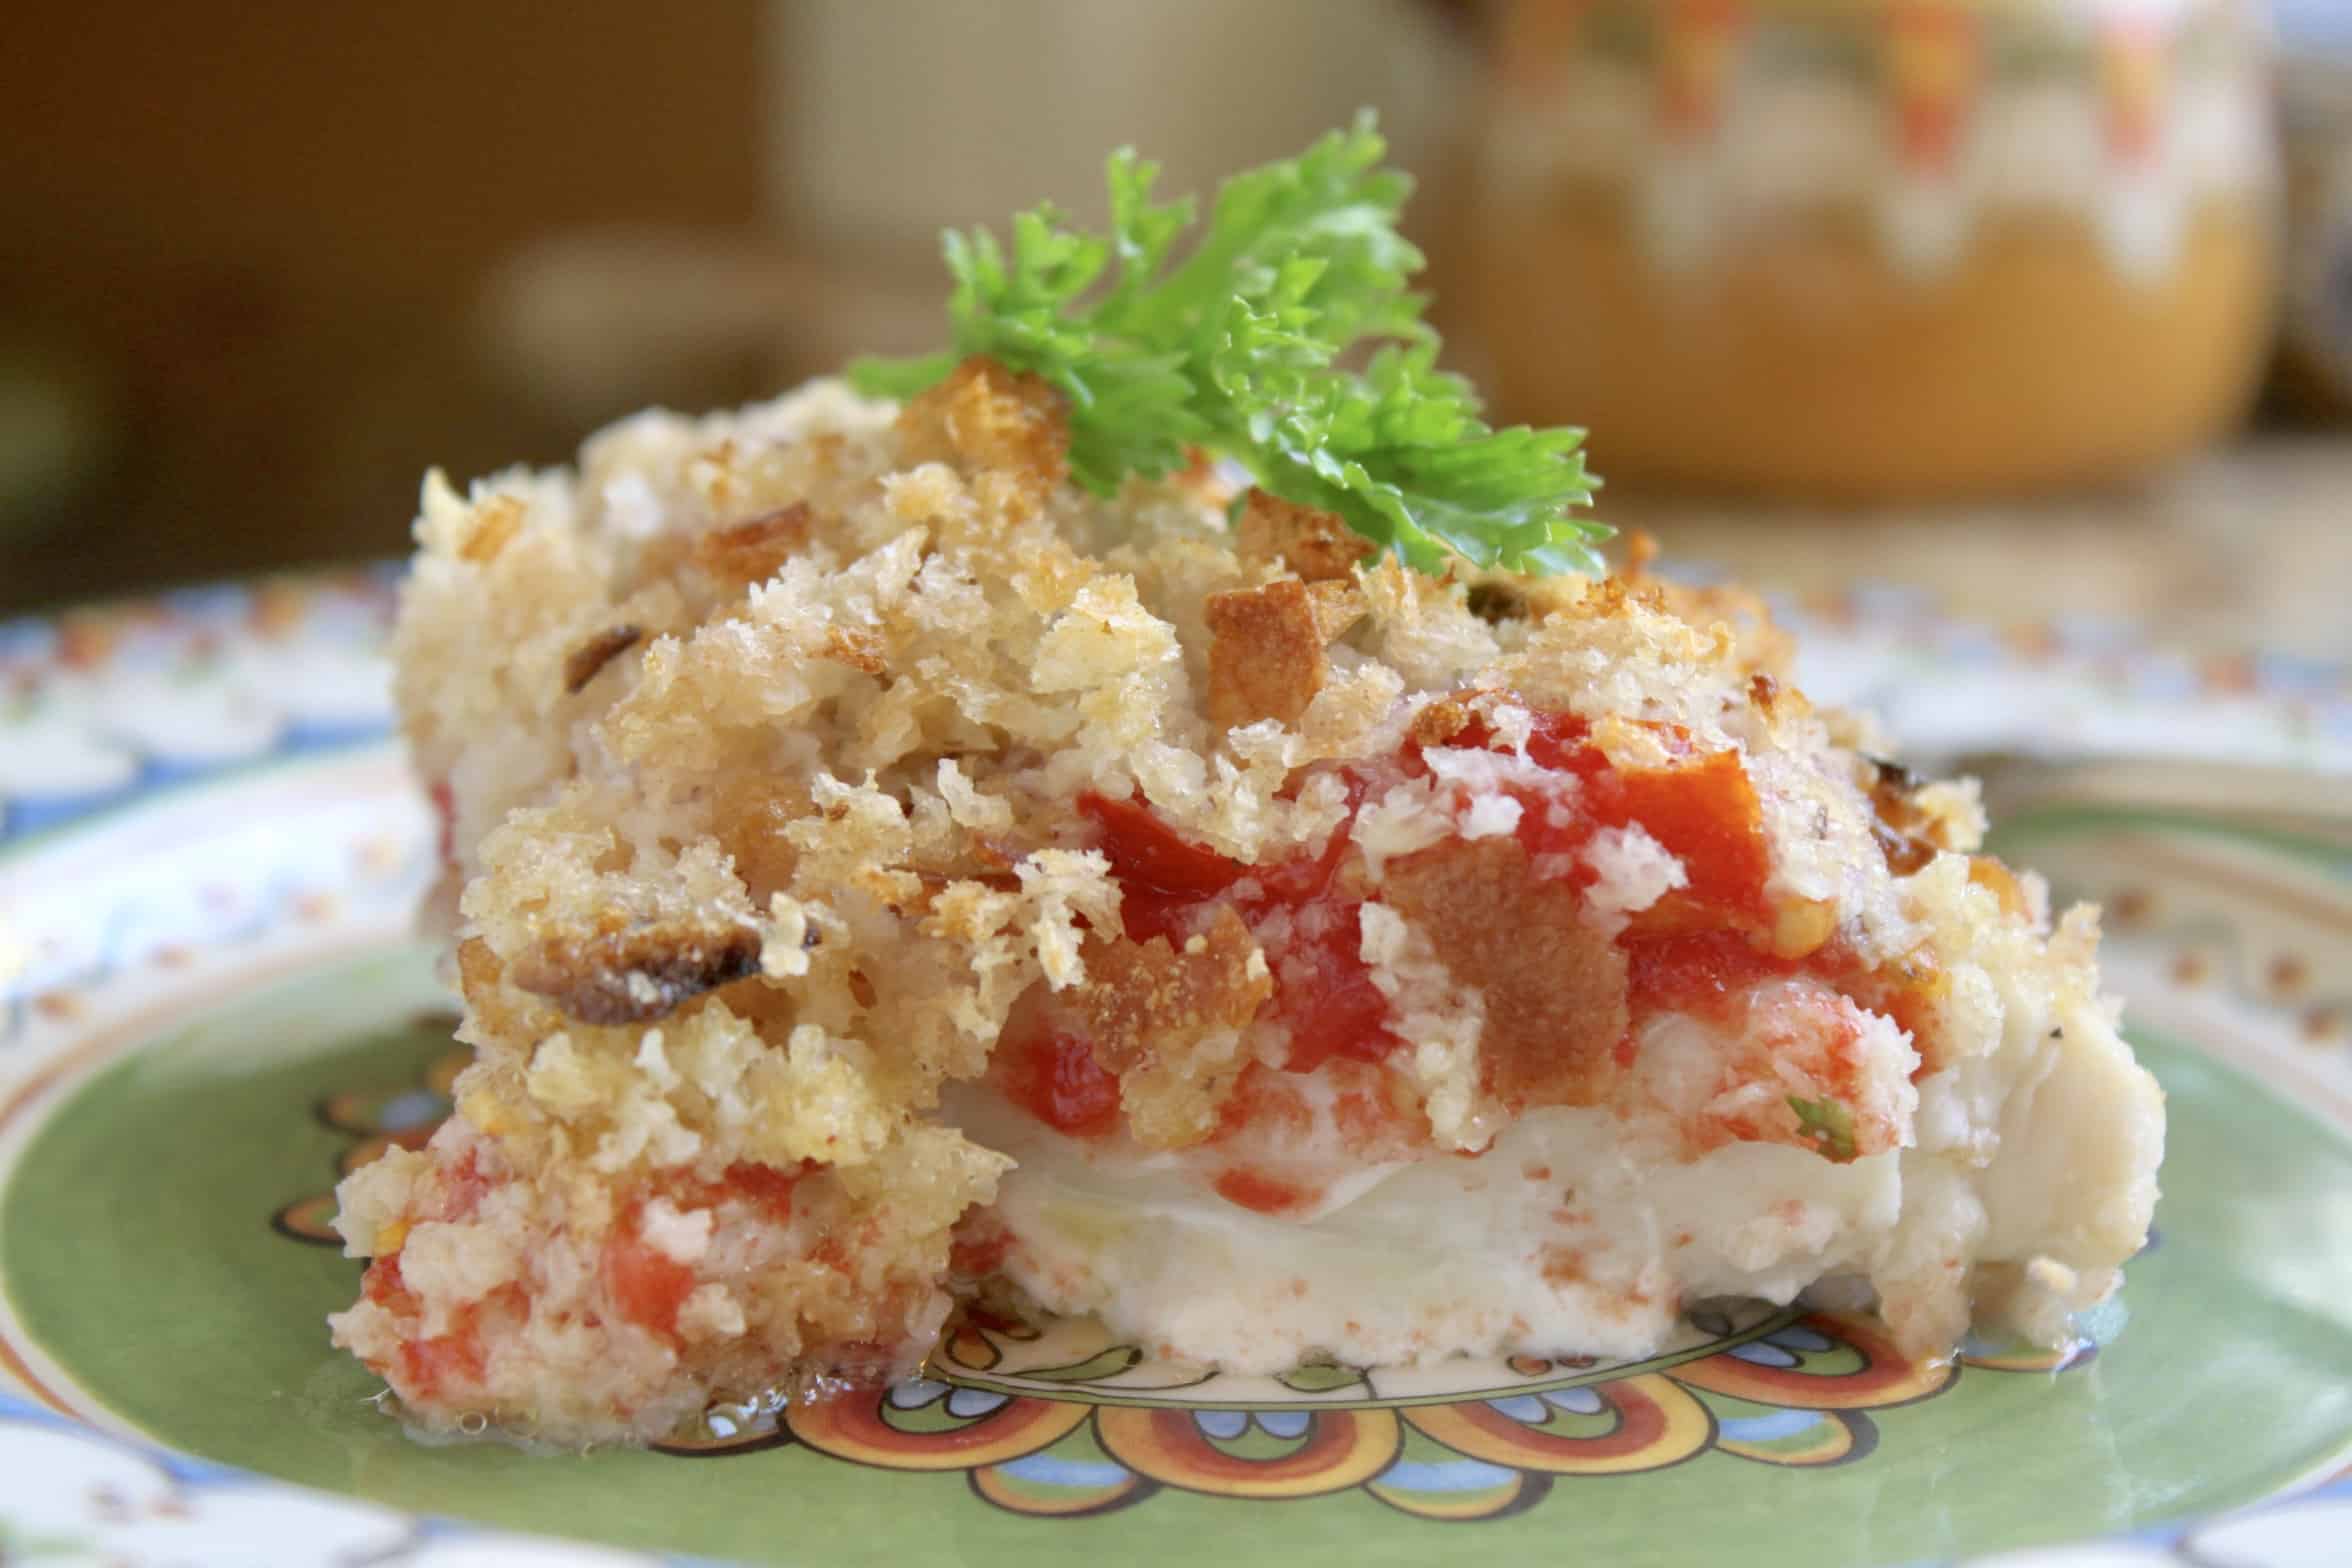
x: 2045, y: 305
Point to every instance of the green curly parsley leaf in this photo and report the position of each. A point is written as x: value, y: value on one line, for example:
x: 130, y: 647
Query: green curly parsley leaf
x: 1235, y: 347
x: 1828, y: 1123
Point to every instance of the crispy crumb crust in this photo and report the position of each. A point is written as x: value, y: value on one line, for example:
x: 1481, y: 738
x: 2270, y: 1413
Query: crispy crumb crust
x: 760, y: 736
x: 1168, y: 1020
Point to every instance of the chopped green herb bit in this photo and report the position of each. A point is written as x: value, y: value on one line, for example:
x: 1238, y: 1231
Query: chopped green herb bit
x: 1828, y: 1123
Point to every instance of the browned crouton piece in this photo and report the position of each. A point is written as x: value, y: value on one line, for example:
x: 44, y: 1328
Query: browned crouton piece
x: 1555, y: 987
x: 1311, y: 542
x: 1266, y: 659
x: 984, y: 416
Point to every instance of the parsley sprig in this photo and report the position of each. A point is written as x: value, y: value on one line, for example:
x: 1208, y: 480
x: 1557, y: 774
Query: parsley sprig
x: 1236, y: 346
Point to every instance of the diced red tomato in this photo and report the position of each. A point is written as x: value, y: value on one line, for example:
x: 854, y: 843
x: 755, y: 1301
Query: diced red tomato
x: 1145, y: 851
x: 1701, y: 807
x: 1255, y: 1190
x: 463, y: 1188
x: 1304, y: 877
x: 765, y: 1185
x: 647, y: 1285
x: 1555, y: 740
x: 977, y: 1254
x: 383, y: 1284
x: 1695, y: 972
x: 426, y: 1364
x: 1339, y: 1012
x: 1055, y: 1078
x: 1164, y: 878
x: 1706, y: 813
x: 1146, y: 912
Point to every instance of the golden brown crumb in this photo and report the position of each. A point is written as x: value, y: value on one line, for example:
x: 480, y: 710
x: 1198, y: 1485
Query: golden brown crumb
x: 1165, y: 1019
x: 1440, y: 721
x: 984, y: 416
x: 1316, y: 544
x: 1762, y: 645
x: 638, y: 973
x: 1904, y: 834
x: 1336, y: 606
x: 751, y: 818
x: 1613, y: 597
x: 492, y: 529
x: 1992, y: 874
x: 490, y: 1003
x: 756, y: 549
x: 583, y: 663
x: 860, y: 650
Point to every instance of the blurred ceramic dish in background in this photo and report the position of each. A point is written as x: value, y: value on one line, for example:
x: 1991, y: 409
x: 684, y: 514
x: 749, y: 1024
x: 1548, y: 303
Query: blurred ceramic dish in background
x: 1834, y: 250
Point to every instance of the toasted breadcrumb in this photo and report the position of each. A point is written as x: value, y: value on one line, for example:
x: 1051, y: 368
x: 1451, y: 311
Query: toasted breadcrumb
x: 1314, y: 544
x: 1168, y: 1021
x: 1555, y: 989
x: 755, y: 549
x: 1266, y: 649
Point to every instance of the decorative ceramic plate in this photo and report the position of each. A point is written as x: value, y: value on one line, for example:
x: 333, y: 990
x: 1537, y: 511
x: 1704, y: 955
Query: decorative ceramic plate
x: 209, y: 1009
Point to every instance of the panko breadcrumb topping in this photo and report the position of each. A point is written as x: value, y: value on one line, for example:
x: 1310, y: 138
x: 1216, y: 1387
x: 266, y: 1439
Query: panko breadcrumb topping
x: 805, y: 764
